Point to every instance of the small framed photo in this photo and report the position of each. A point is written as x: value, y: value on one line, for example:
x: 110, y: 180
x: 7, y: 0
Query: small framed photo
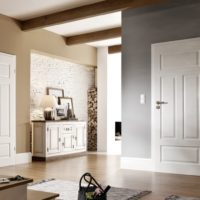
x: 57, y: 92
x: 68, y: 103
x: 60, y: 112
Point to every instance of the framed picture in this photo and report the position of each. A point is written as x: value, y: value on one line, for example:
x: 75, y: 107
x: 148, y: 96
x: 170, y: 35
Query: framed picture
x: 60, y: 112
x: 57, y: 92
x: 68, y: 103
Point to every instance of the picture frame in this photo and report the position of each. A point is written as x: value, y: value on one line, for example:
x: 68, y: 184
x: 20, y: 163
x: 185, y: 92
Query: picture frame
x: 57, y: 92
x: 60, y: 112
x: 64, y: 101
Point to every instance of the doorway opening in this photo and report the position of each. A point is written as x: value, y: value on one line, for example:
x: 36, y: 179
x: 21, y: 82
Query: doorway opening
x: 118, y: 131
x: 114, y: 134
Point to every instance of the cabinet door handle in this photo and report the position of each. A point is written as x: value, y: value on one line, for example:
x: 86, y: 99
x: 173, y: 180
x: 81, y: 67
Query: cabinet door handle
x: 74, y: 137
x: 47, y: 149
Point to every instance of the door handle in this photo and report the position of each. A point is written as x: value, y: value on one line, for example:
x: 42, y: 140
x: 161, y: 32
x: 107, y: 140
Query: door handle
x: 161, y: 102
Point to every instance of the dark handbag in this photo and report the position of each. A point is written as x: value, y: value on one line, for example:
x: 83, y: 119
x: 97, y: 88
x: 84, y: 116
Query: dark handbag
x: 91, y: 191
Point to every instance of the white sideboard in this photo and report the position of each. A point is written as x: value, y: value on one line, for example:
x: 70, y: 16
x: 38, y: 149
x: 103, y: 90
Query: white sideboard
x: 57, y: 138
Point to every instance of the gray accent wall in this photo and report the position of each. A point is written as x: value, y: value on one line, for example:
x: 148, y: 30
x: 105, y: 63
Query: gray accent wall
x: 141, y: 28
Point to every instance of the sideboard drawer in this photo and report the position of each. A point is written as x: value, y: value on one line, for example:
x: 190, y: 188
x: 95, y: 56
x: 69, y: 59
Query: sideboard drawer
x: 67, y: 129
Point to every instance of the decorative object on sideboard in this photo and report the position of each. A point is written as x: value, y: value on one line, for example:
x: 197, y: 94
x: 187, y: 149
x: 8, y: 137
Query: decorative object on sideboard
x: 48, y: 103
x: 56, y: 92
x: 60, y: 112
x: 68, y: 103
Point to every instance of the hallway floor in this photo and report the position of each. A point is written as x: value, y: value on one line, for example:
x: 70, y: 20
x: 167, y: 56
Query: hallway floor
x: 107, y: 171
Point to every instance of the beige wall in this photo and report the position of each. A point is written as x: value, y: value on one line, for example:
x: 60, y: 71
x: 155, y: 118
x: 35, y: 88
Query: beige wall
x: 14, y: 41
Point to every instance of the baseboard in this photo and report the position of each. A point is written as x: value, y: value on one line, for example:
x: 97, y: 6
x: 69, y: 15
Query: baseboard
x: 22, y: 158
x: 137, y: 164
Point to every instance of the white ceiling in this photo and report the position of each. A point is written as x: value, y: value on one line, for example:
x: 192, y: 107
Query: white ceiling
x: 104, y: 43
x: 26, y: 9
x: 88, y: 25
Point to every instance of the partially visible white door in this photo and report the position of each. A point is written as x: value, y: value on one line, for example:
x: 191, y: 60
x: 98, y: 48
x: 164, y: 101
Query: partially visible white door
x: 176, y: 106
x: 7, y: 109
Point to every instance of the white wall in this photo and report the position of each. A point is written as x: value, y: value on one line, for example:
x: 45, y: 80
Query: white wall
x: 113, y: 101
x: 102, y: 99
x: 109, y: 100
x: 75, y: 79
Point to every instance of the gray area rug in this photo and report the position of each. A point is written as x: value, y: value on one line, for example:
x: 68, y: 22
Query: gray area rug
x: 69, y: 190
x: 175, y: 197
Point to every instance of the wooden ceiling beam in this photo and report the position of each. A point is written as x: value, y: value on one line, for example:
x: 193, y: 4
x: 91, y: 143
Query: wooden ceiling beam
x: 94, y: 36
x: 100, y: 8
x: 114, y: 49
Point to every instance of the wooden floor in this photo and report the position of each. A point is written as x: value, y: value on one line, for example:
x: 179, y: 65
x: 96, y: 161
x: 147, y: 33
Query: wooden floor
x: 107, y: 170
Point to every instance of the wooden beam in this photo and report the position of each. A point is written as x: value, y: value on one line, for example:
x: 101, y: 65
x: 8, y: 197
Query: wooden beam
x: 94, y: 36
x: 100, y: 8
x: 114, y: 49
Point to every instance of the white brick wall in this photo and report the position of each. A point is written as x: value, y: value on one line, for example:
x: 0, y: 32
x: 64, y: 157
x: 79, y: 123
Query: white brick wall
x: 75, y: 79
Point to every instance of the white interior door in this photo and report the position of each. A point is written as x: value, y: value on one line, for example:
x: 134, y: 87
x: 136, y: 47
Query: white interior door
x: 175, y: 116
x: 7, y: 109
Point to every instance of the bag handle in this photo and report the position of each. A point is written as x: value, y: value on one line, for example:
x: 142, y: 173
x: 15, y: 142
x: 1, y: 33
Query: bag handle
x: 92, y: 179
x: 83, y: 177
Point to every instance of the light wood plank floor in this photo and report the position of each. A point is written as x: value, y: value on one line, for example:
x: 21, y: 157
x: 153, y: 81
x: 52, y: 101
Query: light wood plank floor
x: 107, y: 170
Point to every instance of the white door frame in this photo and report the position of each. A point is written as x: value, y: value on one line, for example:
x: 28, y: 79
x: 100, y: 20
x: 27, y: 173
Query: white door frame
x: 153, y: 99
x: 12, y: 107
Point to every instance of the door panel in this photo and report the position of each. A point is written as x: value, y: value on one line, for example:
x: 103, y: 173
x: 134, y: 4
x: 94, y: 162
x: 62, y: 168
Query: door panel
x: 67, y: 138
x: 180, y: 60
x: 168, y: 111
x: 175, y: 126
x: 4, y: 150
x: 191, y: 106
x: 179, y: 154
x: 7, y: 109
x: 80, y: 142
x: 67, y: 143
x: 53, y: 139
x: 4, y: 69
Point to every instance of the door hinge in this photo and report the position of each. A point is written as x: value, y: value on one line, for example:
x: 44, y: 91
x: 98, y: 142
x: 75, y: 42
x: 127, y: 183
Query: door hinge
x: 47, y: 149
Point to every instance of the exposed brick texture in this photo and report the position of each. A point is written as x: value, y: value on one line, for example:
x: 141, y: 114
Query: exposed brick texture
x: 75, y: 79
